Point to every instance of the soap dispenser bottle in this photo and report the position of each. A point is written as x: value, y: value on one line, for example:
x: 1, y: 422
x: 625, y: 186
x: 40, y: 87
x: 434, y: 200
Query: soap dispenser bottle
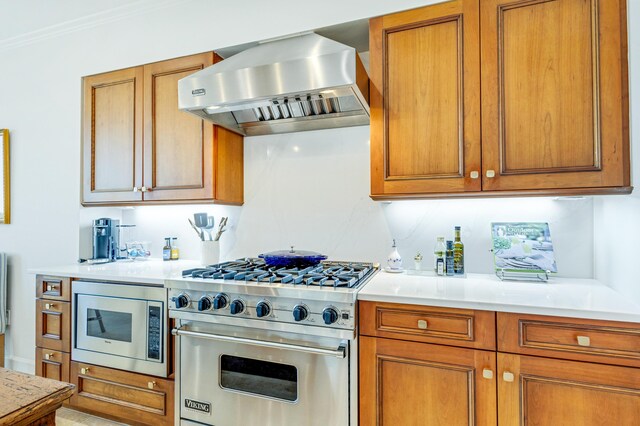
x: 394, y: 260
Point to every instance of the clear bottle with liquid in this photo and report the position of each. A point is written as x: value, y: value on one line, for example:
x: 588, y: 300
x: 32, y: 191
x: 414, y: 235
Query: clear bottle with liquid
x: 166, y: 250
x: 175, y: 251
x: 449, y: 257
x: 439, y: 253
x: 458, y: 253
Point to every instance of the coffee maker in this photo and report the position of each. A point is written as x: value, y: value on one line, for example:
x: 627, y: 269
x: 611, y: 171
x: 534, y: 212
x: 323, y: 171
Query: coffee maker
x: 106, y: 239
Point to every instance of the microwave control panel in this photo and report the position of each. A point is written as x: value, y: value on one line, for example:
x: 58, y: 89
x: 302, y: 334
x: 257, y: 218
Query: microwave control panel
x: 154, y: 332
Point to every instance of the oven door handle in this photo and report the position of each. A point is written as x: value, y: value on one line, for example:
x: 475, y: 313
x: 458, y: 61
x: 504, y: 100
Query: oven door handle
x: 341, y: 352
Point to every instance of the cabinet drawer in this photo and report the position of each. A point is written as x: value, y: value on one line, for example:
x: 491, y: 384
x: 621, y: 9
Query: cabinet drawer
x: 457, y: 327
x: 52, y: 364
x: 56, y: 288
x: 53, y: 325
x: 590, y: 340
x: 129, y: 397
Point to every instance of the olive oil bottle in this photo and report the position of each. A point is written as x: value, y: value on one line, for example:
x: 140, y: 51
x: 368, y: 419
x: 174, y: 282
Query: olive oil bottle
x: 458, y: 253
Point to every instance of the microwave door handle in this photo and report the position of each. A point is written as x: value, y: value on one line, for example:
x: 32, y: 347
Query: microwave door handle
x: 340, y: 352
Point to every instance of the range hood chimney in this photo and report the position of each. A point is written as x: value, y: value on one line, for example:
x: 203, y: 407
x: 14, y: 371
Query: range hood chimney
x: 305, y: 82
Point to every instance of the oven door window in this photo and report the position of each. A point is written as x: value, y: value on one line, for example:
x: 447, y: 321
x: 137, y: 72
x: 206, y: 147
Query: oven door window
x: 111, y: 325
x: 263, y: 378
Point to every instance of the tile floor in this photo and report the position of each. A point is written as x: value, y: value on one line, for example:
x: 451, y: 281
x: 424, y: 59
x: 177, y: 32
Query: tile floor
x: 67, y: 417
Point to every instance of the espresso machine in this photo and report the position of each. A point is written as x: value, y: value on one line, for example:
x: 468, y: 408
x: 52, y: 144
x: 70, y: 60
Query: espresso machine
x: 106, y: 239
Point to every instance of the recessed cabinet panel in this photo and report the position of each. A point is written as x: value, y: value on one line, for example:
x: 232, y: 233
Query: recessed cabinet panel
x: 554, y: 392
x: 424, y: 105
x: 554, y: 96
x: 425, y: 101
x: 178, y: 146
x: 112, y: 136
x: 550, y: 120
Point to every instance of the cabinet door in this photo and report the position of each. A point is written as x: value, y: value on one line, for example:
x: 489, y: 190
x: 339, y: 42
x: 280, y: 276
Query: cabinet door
x: 112, y: 137
x: 53, y: 325
x: 52, y: 364
x: 407, y: 383
x: 122, y: 395
x: 425, y: 101
x: 542, y: 391
x: 178, y: 146
x: 554, y: 95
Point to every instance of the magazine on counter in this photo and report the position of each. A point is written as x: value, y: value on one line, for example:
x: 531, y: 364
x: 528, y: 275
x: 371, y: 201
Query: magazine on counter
x: 523, y: 247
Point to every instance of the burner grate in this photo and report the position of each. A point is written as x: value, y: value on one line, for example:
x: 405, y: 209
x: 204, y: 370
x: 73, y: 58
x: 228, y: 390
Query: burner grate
x: 325, y: 274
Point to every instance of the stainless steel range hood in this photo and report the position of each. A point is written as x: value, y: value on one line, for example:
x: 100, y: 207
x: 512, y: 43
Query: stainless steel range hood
x: 306, y: 82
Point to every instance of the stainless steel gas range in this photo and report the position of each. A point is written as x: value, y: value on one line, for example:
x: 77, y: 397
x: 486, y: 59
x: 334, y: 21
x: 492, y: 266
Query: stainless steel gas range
x: 267, y: 345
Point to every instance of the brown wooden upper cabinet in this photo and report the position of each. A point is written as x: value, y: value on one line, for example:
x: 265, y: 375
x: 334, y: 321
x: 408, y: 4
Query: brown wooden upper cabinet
x: 138, y: 147
x: 500, y: 97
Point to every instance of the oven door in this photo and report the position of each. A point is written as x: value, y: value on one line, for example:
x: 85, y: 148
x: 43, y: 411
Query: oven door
x: 112, y: 325
x: 231, y: 376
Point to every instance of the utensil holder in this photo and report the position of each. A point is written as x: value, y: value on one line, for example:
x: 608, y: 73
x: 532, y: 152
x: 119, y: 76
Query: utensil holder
x: 209, y: 252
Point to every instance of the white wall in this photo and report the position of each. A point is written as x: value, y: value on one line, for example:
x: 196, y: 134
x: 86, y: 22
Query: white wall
x: 617, y: 219
x: 40, y: 85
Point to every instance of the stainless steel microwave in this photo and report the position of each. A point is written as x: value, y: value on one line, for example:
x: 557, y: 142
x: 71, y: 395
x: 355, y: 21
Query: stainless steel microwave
x: 120, y: 326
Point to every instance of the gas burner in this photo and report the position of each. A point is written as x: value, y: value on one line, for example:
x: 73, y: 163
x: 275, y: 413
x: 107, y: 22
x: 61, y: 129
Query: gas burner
x: 325, y: 274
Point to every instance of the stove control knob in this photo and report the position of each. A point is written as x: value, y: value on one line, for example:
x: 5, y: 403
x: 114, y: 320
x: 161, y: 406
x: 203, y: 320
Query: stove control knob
x: 262, y: 309
x: 220, y: 301
x: 300, y: 313
x: 181, y: 301
x: 329, y: 315
x: 204, y: 304
x: 236, y: 307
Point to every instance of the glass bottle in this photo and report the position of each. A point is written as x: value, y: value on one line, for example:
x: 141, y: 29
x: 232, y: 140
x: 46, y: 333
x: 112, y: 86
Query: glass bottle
x: 175, y: 251
x: 166, y: 250
x: 458, y: 253
x: 449, y: 258
x: 438, y: 256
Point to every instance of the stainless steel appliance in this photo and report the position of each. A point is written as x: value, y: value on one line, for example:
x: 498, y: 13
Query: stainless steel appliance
x: 305, y: 82
x: 106, y: 239
x: 267, y: 345
x: 120, y: 326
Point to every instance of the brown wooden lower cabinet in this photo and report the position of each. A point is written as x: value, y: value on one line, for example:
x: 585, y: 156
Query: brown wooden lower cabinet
x: 133, y: 398
x: 543, y: 391
x: 52, y: 364
x: 408, y: 383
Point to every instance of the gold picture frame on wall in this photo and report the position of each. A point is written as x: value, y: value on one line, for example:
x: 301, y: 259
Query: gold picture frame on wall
x: 5, y: 198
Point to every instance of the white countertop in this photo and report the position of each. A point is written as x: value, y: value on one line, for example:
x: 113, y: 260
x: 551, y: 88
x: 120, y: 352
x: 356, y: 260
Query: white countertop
x: 151, y: 271
x: 578, y: 298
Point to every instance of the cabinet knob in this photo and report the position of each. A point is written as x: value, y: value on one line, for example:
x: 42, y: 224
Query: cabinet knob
x: 135, y: 189
x: 84, y: 370
x: 49, y: 305
x: 48, y: 356
x: 507, y: 376
x: 491, y: 173
x: 51, y: 287
x: 422, y: 324
x: 584, y: 341
x: 487, y: 374
x: 474, y: 174
x: 145, y: 189
x: 151, y: 385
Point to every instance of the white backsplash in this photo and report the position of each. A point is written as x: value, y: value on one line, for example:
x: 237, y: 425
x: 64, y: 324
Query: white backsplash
x: 311, y: 190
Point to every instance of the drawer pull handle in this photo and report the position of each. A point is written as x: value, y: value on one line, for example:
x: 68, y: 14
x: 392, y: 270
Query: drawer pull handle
x: 422, y: 324
x: 507, y: 376
x: 487, y: 374
x: 151, y: 385
x: 84, y: 370
x: 584, y: 341
x: 49, y: 305
x: 48, y: 356
x: 51, y: 287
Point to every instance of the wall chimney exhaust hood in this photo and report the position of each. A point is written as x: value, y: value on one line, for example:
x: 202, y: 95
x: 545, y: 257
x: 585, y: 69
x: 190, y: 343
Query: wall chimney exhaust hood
x: 305, y: 82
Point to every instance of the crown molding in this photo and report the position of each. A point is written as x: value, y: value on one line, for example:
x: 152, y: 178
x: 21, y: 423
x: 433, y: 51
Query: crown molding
x: 132, y: 9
